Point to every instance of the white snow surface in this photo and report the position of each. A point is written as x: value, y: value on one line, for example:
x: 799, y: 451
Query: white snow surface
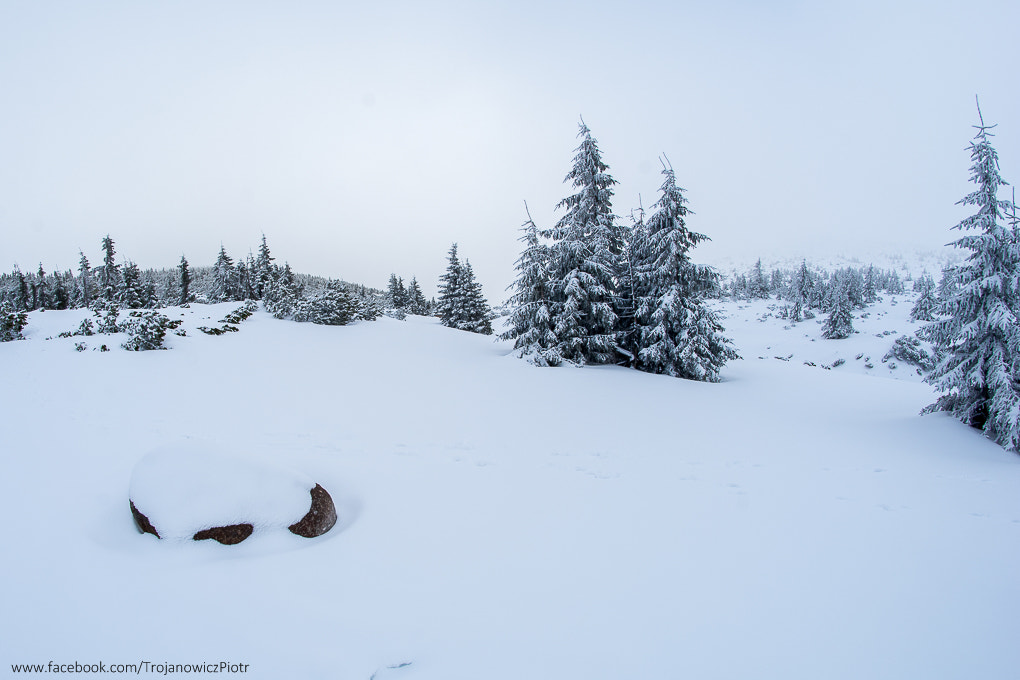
x: 499, y: 520
x: 185, y: 488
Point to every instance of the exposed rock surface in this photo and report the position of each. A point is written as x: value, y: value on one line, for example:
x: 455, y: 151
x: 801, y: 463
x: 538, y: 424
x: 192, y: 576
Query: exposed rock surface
x: 320, y: 518
x: 231, y: 535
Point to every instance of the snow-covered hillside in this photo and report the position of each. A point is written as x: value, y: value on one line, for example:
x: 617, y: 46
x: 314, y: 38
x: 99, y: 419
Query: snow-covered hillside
x: 498, y: 520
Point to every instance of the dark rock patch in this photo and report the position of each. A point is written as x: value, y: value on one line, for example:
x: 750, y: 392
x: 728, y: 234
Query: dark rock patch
x: 320, y: 518
x: 142, y: 522
x: 229, y: 535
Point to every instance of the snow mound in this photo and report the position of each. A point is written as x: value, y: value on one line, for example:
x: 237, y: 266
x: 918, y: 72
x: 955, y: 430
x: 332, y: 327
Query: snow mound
x: 185, y: 491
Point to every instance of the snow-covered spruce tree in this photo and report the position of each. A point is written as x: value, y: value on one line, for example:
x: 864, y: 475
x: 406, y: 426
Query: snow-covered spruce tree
x: 41, y: 294
x: 800, y: 291
x: 146, y: 330
x: 870, y: 286
x: 224, y: 280
x: 948, y: 284
x: 397, y: 292
x: 840, y: 322
x: 110, y: 276
x: 264, y: 269
x: 130, y: 294
x: 584, y: 257
x: 184, y: 282
x: 757, y: 286
x: 450, y: 290
x: 12, y: 322
x: 22, y: 299
x: 978, y: 341
x: 530, y: 324
x: 461, y: 303
x: 335, y: 306
x: 927, y: 305
x: 477, y: 316
x: 280, y: 296
x: 680, y: 335
x: 416, y: 302
x: 84, y: 276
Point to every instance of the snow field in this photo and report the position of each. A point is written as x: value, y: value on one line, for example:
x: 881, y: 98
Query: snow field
x: 503, y: 521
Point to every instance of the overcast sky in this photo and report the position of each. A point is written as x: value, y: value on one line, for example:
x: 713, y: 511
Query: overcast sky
x: 365, y: 139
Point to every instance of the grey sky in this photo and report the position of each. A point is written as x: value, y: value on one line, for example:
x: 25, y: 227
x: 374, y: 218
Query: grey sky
x: 364, y: 139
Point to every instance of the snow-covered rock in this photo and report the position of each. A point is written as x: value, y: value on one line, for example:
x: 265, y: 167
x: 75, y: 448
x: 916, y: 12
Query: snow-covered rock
x: 196, y: 493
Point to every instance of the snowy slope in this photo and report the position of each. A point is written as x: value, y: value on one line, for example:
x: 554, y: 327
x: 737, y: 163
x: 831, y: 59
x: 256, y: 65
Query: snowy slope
x: 503, y: 521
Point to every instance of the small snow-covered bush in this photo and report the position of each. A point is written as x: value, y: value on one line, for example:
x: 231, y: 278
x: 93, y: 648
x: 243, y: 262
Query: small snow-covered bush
x: 335, y: 306
x: 86, y: 327
x: 241, y: 313
x: 12, y: 322
x: 106, y: 314
x: 147, y: 330
x: 908, y: 349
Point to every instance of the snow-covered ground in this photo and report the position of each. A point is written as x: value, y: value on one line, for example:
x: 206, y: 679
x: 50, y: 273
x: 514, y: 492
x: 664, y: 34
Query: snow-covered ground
x: 498, y: 520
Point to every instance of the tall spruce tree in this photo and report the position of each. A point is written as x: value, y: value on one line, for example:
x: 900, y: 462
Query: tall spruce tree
x: 184, y: 282
x: 757, y: 286
x: 397, y: 292
x: 800, y: 292
x: 584, y: 258
x: 264, y: 269
x: 224, y: 283
x: 110, y: 280
x: 531, y: 323
x: 130, y: 294
x: 680, y: 335
x: 451, y: 293
x: 416, y: 302
x: 461, y: 303
x: 980, y: 338
x: 84, y: 276
x: 42, y: 293
x: 840, y: 322
x: 927, y: 305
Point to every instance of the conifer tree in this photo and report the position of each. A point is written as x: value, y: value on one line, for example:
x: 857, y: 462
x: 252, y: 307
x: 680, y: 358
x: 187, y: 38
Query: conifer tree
x: 477, y: 316
x: 979, y: 340
x: 110, y: 280
x: 130, y: 293
x: 531, y: 322
x: 264, y: 268
x: 800, y: 292
x: 22, y: 299
x: 451, y: 293
x: 927, y: 305
x: 870, y: 287
x: 12, y: 322
x: 680, y: 336
x: 461, y: 303
x: 282, y: 293
x: 184, y: 281
x: 84, y: 276
x: 948, y: 284
x: 584, y: 257
x: 397, y: 292
x: 416, y: 302
x: 224, y: 277
x: 839, y: 324
x: 757, y: 287
x: 59, y: 299
x: 42, y: 298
